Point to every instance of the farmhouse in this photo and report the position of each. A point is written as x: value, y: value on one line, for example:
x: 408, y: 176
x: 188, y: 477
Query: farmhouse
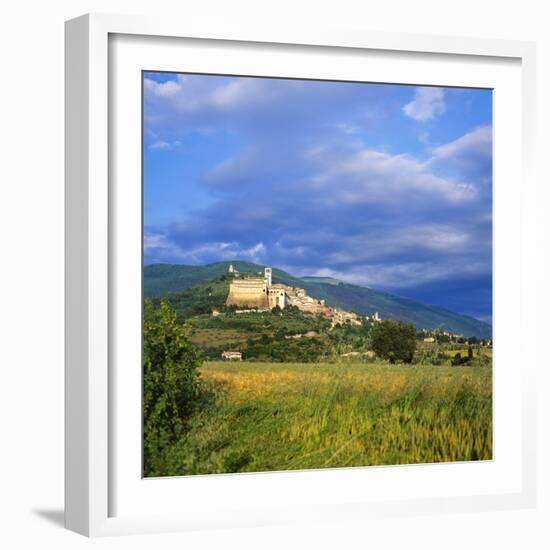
x: 232, y: 355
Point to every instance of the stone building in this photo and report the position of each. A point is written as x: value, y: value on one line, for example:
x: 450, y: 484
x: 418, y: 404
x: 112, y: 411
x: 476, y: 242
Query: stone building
x: 249, y: 292
x: 277, y: 295
x: 341, y: 317
x: 299, y: 298
x: 257, y: 292
x: 260, y: 293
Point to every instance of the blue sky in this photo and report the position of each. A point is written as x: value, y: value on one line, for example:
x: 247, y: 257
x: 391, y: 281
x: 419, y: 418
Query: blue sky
x: 386, y: 186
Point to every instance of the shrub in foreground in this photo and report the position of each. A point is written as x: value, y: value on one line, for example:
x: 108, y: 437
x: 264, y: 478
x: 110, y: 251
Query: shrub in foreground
x: 171, y: 390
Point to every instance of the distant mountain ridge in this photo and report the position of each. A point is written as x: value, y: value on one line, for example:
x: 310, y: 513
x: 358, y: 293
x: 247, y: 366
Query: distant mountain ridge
x: 160, y: 279
x: 327, y: 280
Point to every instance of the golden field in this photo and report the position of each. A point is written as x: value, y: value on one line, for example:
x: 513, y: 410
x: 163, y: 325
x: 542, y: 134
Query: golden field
x: 268, y: 416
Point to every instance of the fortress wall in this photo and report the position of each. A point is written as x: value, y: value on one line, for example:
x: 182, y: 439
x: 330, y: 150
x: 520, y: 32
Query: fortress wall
x: 248, y: 293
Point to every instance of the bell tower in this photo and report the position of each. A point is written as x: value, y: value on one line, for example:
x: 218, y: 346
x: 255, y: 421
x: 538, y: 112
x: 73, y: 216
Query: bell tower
x: 267, y: 276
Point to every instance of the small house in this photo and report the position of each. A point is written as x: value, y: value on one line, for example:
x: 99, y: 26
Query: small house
x: 232, y: 356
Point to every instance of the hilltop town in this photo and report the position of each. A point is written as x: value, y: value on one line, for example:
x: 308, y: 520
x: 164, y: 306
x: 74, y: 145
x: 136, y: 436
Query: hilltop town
x: 259, y: 313
x: 187, y: 286
x: 258, y: 293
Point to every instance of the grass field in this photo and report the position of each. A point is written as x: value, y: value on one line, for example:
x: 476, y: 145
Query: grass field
x: 477, y: 351
x: 294, y: 416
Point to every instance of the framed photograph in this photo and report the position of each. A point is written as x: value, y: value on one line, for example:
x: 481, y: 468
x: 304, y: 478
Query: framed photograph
x: 298, y: 276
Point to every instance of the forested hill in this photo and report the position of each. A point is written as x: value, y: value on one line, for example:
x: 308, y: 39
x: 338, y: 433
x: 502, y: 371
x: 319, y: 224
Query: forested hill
x: 161, y: 279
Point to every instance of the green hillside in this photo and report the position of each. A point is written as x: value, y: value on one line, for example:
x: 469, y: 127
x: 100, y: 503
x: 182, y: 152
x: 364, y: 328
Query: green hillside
x: 162, y: 279
x: 366, y: 300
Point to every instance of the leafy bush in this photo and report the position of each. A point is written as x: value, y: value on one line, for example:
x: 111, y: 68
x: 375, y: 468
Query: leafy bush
x: 432, y: 356
x: 459, y: 360
x: 171, y: 389
x: 394, y: 340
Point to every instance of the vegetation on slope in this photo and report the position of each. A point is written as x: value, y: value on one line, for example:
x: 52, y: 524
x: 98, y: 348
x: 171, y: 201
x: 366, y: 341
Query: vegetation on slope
x: 277, y: 336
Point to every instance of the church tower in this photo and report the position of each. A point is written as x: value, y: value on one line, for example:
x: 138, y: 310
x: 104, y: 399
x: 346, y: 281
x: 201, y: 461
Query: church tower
x: 267, y: 276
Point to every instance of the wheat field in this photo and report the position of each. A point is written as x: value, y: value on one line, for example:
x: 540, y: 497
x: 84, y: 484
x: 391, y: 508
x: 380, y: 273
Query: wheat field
x: 266, y: 417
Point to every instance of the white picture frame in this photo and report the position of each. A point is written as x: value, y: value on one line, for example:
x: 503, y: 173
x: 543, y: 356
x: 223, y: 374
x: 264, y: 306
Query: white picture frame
x: 96, y: 432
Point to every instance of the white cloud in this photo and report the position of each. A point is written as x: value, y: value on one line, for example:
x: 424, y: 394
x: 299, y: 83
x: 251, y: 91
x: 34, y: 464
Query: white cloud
x: 424, y: 138
x: 401, y: 275
x: 160, y: 145
x: 470, y: 155
x: 368, y: 176
x: 438, y: 237
x: 427, y: 103
x: 478, y: 142
x: 348, y: 129
x: 248, y: 165
x: 371, y: 245
x: 191, y: 95
x: 158, y: 244
x: 154, y: 241
x: 169, y: 88
x: 240, y: 93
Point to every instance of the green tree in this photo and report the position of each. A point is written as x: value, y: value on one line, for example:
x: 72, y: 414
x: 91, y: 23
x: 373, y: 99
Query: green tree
x: 394, y: 340
x: 171, y: 388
